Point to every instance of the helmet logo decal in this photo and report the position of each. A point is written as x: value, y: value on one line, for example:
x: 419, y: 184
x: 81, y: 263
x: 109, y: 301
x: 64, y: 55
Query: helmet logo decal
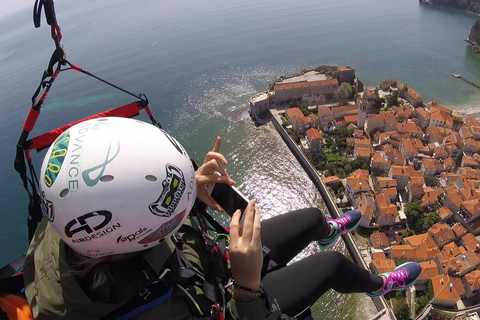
x: 55, y: 161
x: 133, y: 236
x: 86, y: 173
x: 47, y: 208
x: 90, y: 223
x: 164, y: 230
x: 173, y: 188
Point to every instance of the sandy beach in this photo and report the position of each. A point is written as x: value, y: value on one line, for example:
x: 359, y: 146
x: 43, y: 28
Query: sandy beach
x: 471, y: 110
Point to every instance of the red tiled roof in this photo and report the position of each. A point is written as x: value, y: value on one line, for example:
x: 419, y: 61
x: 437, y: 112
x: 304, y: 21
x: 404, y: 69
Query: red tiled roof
x: 314, y: 133
x: 302, y: 84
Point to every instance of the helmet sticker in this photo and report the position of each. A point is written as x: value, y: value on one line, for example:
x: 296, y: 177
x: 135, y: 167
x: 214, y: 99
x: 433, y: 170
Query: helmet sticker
x: 86, y: 173
x: 173, y: 188
x: 164, y: 230
x: 134, y: 235
x: 55, y: 161
x: 94, y: 225
x: 47, y: 208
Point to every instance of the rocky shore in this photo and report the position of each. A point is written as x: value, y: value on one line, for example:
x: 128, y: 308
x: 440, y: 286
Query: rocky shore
x: 467, y: 6
x: 474, y: 37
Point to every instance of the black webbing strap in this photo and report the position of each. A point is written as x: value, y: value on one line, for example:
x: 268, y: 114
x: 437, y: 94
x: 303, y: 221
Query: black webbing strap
x: 49, y: 12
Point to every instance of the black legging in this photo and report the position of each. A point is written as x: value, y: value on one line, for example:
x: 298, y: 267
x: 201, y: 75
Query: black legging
x: 299, y: 285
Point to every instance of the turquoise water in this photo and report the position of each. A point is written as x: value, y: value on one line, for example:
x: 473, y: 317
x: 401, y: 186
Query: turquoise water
x: 200, y: 61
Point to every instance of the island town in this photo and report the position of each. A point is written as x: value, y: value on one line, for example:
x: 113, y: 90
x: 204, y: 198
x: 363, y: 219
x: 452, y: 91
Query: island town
x: 412, y: 168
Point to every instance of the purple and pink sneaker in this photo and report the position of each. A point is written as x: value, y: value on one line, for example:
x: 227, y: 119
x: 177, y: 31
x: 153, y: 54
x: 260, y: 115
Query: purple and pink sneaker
x: 402, y: 277
x: 346, y: 223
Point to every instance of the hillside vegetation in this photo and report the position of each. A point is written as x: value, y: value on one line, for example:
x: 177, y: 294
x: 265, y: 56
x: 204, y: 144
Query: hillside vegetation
x: 464, y: 5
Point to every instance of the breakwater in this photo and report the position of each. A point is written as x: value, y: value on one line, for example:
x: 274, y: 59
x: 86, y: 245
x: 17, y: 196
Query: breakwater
x: 379, y: 302
x: 459, y: 76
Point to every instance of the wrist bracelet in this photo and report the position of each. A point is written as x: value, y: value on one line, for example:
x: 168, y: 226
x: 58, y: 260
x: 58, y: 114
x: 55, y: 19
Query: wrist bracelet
x: 248, y: 289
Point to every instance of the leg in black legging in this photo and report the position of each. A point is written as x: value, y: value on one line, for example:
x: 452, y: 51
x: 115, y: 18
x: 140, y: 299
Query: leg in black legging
x: 288, y: 234
x: 298, y: 286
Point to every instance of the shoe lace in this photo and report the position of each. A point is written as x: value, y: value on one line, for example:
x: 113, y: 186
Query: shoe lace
x: 395, y: 277
x: 342, y: 223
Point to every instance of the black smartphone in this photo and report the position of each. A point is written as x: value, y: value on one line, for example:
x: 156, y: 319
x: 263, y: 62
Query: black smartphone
x: 229, y: 198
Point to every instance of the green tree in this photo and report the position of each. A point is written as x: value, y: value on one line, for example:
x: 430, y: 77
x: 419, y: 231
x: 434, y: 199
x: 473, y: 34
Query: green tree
x: 343, y: 95
x: 403, y: 313
x: 377, y: 104
x: 348, y: 87
x: 431, y: 181
x: 305, y: 112
x: 430, y: 220
x: 414, y: 213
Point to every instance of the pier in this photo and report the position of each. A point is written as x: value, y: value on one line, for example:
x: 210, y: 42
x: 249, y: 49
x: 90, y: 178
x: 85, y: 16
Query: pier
x: 459, y: 76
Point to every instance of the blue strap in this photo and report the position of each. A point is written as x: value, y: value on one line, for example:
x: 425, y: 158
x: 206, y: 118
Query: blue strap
x: 147, y: 306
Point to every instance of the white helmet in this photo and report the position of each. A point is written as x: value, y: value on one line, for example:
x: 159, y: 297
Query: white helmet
x: 116, y: 185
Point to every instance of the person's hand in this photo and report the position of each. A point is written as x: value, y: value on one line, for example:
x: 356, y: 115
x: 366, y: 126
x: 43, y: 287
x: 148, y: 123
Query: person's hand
x: 246, y: 256
x: 206, y: 175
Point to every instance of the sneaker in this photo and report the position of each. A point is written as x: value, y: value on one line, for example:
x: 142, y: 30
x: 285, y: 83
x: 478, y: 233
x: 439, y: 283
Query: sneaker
x: 402, y: 277
x: 346, y: 223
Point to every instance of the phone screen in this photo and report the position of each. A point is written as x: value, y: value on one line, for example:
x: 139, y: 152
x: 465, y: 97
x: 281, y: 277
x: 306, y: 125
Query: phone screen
x: 228, y: 198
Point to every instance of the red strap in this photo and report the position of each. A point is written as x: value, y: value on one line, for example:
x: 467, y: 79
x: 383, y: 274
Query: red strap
x: 31, y: 119
x: 45, y: 140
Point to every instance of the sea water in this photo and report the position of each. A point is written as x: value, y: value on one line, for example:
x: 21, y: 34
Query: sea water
x: 200, y: 61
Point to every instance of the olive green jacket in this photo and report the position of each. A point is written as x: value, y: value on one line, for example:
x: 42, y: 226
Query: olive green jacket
x: 53, y: 292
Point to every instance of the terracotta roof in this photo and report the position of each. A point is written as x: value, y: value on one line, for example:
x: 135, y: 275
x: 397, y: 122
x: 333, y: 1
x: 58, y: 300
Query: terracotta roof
x: 379, y: 239
x: 360, y: 172
x: 472, y: 206
x: 358, y: 182
x: 380, y: 157
x: 351, y: 118
x: 420, y: 239
x: 451, y: 250
x: 444, y: 213
x: 459, y: 230
x: 469, y: 173
x: 444, y: 289
x: 365, y: 204
x: 473, y: 279
x: 404, y: 171
x: 454, y: 198
x: 387, y: 208
x: 433, y: 164
x: 302, y: 84
x: 466, y: 132
x: 409, y: 127
x: 386, y: 182
x: 471, y: 243
x: 384, y: 265
x: 429, y: 270
x: 413, y: 94
x: 346, y: 108
x: 314, y: 133
x: 424, y: 113
x: 296, y: 115
x: 469, y: 161
x: 331, y: 179
x: 403, y: 251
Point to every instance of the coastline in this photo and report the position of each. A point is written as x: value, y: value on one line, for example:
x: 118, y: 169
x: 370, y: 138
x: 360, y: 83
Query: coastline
x: 470, y: 110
